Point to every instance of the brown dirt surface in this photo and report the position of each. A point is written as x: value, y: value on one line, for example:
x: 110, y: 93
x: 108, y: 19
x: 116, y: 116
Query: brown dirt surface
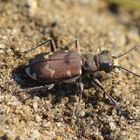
x: 51, y: 116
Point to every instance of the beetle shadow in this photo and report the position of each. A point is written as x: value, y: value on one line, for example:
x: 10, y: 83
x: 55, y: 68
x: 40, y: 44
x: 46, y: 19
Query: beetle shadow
x: 23, y: 81
x: 20, y: 77
x: 59, y: 92
x: 26, y: 83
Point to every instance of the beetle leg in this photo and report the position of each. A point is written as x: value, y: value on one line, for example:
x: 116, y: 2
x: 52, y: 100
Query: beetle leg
x: 124, y: 113
x: 76, y: 45
x: 50, y: 86
x: 47, y: 87
x: 78, y: 109
x: 99, y: 85
x: 49, y: 41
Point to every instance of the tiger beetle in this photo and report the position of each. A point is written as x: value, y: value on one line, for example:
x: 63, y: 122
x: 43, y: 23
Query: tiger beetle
x: 70, y: 67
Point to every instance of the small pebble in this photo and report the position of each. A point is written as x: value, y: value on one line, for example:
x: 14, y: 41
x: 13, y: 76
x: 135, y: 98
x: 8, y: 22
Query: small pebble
x: 46, y: 124
x: 35, y: 106
x: 58, y: 138
x: 1, y: 99
x: 33, y: 7
x: 38, y: 118
x: 82, y: 113
x: 112, y: 126
x: 34, y: 134
x: 2, y: 47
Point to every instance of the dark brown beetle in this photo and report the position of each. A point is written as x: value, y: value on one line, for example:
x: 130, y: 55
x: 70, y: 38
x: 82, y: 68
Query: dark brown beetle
x: 64, y: 66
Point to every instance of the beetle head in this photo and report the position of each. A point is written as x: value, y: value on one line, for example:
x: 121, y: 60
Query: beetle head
x: 106, y: 62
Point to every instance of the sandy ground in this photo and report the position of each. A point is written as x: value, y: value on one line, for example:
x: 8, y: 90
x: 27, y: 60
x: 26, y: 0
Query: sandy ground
x: 51, y: 116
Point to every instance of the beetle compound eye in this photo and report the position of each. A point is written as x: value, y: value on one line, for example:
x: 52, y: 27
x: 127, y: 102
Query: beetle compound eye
x: 107, y: 67
x: 105, y: 61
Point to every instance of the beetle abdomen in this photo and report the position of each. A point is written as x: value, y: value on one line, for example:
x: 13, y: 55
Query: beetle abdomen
x: 59, y: 66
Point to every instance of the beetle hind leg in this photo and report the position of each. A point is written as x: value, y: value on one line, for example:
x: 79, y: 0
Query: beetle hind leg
x: 99, y: 85
x: 33, y: 89
x: 46, y: 42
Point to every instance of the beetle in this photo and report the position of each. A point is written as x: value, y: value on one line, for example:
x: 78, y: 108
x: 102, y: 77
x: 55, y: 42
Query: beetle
x: 66, y: 66
x: 71, y: 67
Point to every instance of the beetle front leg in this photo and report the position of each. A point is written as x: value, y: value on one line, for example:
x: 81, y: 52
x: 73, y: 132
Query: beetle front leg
x: 99, y: 85
x: 49, y: 41
x: 123, y: 113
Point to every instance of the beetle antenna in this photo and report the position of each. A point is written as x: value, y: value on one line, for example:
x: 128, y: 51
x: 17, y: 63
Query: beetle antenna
x: 120, y: 67
x: 127, y: 51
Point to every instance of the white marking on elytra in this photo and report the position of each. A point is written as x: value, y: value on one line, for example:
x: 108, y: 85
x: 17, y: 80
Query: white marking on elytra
x: 81, y: 62
x: 33, y: 76
x: 80, y: 72
x: 27, y: 70
x: 52, y: 72
x: 68, y: 73
x: 47, y: 68
x: 46, y: 56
